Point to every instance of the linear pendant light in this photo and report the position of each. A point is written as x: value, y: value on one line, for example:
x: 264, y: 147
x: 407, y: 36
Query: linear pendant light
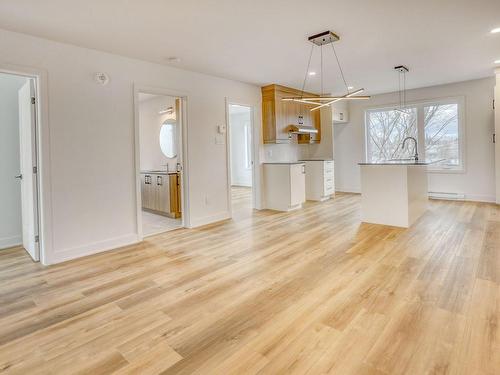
x: 402, y: 70
x: 321, y: 39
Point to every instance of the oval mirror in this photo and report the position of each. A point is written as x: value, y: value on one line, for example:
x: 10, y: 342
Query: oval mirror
x: 167, y: 139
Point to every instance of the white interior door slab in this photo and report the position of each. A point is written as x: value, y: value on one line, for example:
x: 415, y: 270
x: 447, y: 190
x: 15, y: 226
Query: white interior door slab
x: 29, y: 186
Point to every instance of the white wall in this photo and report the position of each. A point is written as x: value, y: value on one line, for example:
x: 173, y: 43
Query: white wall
x: 91, y: 153
x: 150, y: 122
x: 241, y: 175
x: 478, y: 180
x: 10, y: 188
x: 497, y: 132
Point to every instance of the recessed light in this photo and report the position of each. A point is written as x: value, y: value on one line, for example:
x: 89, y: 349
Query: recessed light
x: 312, y: 73
x: 495, y: 30
x: 350, y: 88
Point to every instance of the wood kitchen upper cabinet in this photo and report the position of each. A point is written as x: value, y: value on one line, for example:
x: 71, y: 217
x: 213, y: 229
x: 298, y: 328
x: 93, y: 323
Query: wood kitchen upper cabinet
x: 278, y: 115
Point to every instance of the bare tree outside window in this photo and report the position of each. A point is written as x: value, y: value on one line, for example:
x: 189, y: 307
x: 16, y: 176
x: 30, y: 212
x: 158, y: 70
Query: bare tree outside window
x: 436, y: 125
x: 386, y: 130
x: 441, y: 134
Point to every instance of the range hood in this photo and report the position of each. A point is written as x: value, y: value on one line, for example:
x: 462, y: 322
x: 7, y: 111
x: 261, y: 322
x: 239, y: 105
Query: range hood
x: 302, y: 129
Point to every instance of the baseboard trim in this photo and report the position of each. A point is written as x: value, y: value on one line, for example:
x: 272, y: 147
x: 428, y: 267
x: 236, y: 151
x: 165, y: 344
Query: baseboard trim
x: 198, y: 222
x: 480, y: 198
x: 59, y: 256
x: 7, y: 242
x: 348, y: 190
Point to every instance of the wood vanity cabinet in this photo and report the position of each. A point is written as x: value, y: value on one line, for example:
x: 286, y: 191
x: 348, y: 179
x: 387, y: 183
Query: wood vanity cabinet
x: 175, y: 195
x: 161, y: 194
x: 278, y: 115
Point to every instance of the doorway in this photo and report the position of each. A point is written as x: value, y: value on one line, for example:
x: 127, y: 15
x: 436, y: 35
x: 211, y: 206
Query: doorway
x: 19, y: 216
x: 160, y: 123
x: 240, y: 130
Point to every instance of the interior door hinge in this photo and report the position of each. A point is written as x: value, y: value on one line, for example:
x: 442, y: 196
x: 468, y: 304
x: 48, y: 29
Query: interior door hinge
x: 33, y: 100
x: 37, y: 238
x: 35, y: 170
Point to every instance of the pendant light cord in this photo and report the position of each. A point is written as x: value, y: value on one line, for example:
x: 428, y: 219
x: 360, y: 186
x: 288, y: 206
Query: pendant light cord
x: 340, y: 68
x: 399, y: 91
x: 404, y: 89
x: 307, y: 71
x: 321, y: 68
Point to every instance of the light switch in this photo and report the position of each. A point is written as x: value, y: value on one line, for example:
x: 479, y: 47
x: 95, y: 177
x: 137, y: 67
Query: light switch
x: 220, y: 139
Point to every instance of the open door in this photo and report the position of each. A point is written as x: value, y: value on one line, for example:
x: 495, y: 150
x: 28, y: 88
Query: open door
x: 28, y: 175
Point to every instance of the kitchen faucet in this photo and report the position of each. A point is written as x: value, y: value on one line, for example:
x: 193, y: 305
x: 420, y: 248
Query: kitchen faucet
x: 415, y: 142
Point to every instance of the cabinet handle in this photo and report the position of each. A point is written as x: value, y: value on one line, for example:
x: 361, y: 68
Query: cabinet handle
x: 147, y: 180
x: 159, y: 180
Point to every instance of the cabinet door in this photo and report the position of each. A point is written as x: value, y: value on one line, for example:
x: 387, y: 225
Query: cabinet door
x: 175, y: 199
x: 162, y: 195
x: 297, y: 184
x: 147, y: 190
x: 283, y: 116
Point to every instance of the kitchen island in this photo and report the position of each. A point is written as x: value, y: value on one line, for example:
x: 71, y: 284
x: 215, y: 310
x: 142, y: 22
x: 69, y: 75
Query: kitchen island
x: 393, y: 193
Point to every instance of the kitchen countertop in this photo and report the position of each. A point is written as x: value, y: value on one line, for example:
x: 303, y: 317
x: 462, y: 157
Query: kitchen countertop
x: 285, y: 162
x: 398, y: 163
x: 316, y: 159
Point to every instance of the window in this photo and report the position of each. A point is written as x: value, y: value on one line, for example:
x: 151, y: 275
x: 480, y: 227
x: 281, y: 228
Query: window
x: 386, y: 130
x: 435, y: 125
x: 441, y: 135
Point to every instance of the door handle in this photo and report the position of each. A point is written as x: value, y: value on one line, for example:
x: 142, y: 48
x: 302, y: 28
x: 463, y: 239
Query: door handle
x: 19, y: 176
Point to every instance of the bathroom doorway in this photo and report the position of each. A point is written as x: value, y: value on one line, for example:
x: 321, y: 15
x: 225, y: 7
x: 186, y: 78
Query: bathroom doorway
x: 19, y: 215
x: 159, y: 126
x: 240, y: 135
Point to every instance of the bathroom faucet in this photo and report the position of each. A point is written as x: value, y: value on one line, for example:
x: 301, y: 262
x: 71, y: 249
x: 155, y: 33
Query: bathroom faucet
x: 415, y: 143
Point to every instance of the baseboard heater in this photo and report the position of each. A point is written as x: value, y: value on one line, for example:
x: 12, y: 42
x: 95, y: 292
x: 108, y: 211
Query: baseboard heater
x: 448, y: 196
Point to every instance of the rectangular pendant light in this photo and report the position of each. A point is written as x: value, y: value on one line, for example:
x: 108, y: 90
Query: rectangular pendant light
x: 347, y: 96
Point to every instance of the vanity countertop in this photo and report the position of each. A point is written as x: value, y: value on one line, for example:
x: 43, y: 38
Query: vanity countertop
x: 285, y: 162
x: 158, y: 172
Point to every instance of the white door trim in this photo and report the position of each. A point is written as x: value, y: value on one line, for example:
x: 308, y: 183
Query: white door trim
x: 254, y: 152
x: 183, y: 159
x: 43, y: 155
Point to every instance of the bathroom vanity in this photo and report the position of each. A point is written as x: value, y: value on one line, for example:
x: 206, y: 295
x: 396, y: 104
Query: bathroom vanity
x: 161, y: 193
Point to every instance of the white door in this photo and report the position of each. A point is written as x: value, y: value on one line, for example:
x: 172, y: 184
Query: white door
x: 28, y: 176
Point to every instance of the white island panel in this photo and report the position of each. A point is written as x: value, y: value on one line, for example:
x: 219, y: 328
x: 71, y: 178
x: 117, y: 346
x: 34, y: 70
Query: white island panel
x: 392, y: 194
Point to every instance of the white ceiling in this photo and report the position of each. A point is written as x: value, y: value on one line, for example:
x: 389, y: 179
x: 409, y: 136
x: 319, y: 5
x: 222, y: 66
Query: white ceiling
x: 265, y: 41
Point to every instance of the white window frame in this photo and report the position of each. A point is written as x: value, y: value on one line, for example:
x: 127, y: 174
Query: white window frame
x: 419, y: 105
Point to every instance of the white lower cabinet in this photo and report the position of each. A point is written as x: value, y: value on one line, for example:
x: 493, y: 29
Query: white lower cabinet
x: 284, y: 186
x: 320, y: 183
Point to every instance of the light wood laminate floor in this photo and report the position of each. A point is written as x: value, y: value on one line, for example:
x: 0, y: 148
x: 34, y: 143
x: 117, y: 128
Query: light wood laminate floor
x: 312, y: 291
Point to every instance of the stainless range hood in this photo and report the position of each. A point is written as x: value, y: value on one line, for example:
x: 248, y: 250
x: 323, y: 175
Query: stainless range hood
x: 302, y: 129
